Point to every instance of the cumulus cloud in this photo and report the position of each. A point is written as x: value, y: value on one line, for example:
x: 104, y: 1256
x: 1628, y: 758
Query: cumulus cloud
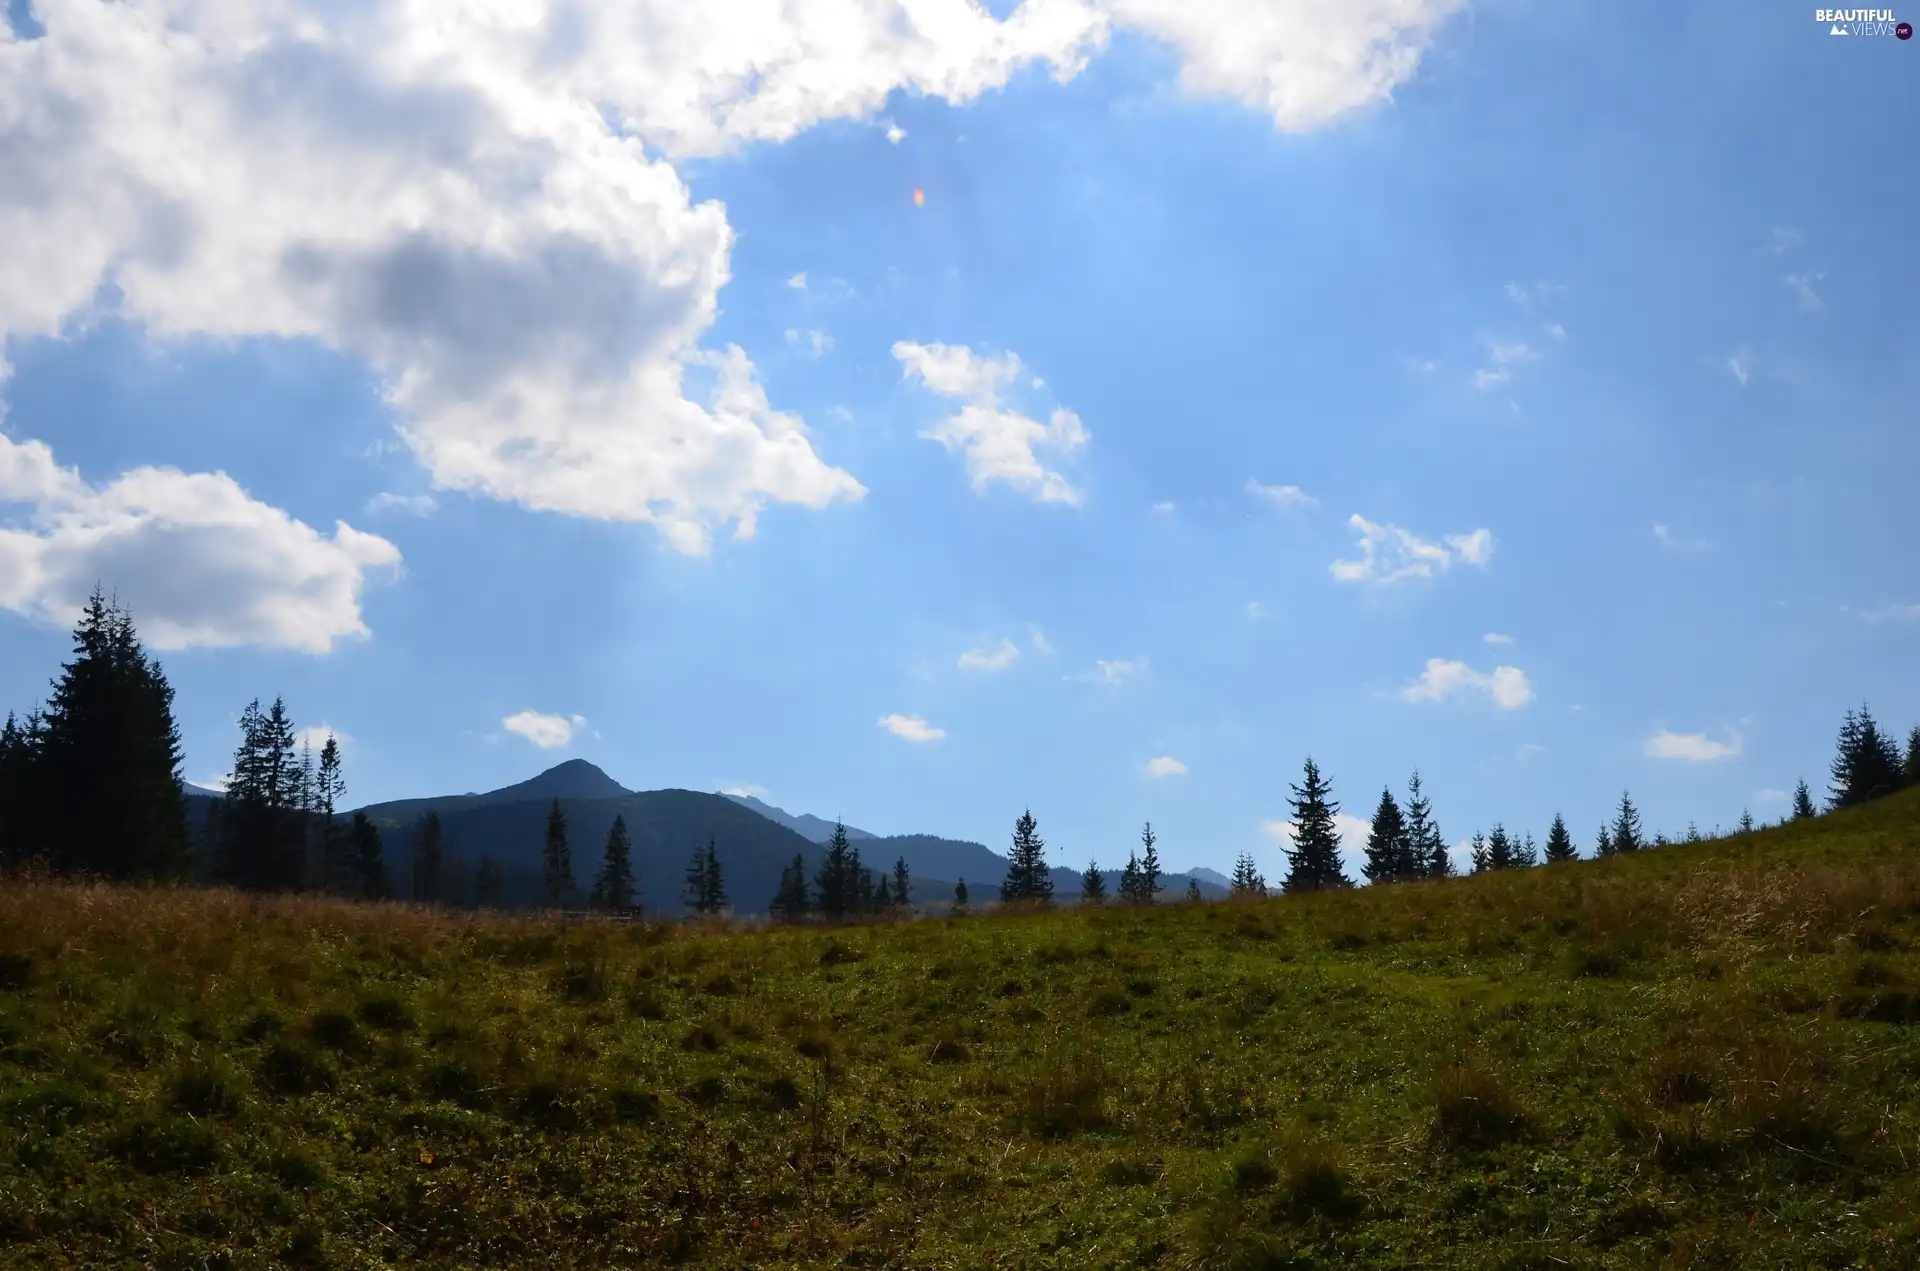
x: 1495, y: 637
x: 990, y: 657
x: 195, y: 559
x: 911, y: 728
x: 895, y: 133
x: 316, y: 737
x: 1506, y: 686
x: 998, y: 442
x: 545, y: 731
x: 1389, y: 554
x: 480, y: 200
x: 1165, y: 766
x: 747, y: 792
x: 1691, y: 747
x: 1286, y: 496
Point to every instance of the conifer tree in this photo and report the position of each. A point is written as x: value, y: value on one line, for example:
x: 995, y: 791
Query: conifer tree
x: 613, y: 886
x: 902, y: 884
x: 556, y: 860
x: 1626, y: 826
x: 17, y: 840
x: 882, y: 894
x: 329, y: 786
x: 265, y: 845
x: 489, y: 883
x: 835, y: 879
x: 1093, y: 885
x: 1802, y: 801
x: 1867, y: 764
x: 1603, y: 842
x: 1247, y: 883
x: 1693, y: 833
x: 1482, y: 858
x: 104, y: 795
x: 1149, y: 864
x: 1388, y: 852
x: 1425, y: 843
x: 1132, y: 882
x: 1500, y: 848
x: 960, y: 895
x: 713, y: 886
x: 368, y: 862
x: 1313, y: 864
x: 1525, y: 854
x: 1027, y: 876
x: 1193, y: 890
x: 791, y: 902
x: 1910, y: 770
x: 1746, y: 821
x: 1559, y: 842
x: 429, y: 854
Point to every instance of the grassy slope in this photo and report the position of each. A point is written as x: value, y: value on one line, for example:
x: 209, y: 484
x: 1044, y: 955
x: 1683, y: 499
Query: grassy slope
x: 1697, y: 1057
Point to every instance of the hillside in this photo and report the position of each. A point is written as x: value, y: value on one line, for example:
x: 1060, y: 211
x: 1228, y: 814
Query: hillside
x: 1701, y: 1056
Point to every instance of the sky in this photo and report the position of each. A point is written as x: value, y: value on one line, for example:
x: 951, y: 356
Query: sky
x: 921, y: 412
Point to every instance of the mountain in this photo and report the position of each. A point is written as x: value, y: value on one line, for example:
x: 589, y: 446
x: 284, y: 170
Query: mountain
x: 806, y: 825
x: 1213, y: 876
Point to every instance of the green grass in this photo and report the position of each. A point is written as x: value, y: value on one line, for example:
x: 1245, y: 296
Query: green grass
x: 1699, y: 1057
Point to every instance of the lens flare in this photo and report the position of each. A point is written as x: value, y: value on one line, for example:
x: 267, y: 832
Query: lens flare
x: 919, y: 198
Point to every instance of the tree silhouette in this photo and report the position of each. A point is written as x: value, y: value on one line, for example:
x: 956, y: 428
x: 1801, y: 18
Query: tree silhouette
x: 1389, y: 855
x: 1626, y: 826
x: 429, y: 854
x: 1027, y: 876
x: 556, y: 859
x: 1093, y: 885
x: 1803, y: 802
x: 1314, y: 862
x: 1559, y: 842
x: 1424, y: 840
x: 612, y: 890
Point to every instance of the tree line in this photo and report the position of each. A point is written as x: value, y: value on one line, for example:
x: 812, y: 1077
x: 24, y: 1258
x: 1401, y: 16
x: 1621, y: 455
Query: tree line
x: 91, y: 784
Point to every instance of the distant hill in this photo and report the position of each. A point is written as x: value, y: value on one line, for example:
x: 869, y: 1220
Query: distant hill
x: 806, y: 825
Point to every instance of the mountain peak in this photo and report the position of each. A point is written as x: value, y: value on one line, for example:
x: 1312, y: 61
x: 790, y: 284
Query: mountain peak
x: 574, y: 779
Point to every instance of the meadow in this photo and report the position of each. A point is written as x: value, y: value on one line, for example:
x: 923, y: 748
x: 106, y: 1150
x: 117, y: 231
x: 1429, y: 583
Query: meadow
x: 1700, y: 1056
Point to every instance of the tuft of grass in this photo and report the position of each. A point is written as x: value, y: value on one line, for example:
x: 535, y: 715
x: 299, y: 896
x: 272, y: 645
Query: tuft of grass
x: 1474, y: 1109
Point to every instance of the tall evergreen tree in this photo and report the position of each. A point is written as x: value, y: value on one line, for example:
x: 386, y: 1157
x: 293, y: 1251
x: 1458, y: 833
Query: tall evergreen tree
x: 1388, y: 852
x: 368, y: 862
x: 104, y: 796
x: 1746, y: 821
x: 1802, y: 801
x: 1093, y: 885
x: 1525, y: 854
x: 429, y: 858
x: 1247, y: 882
x: 556, y: 860
x: 960, y: 895
x: 1559, y: 842
x: 1910, y: 770
x: 1133, y: 886
x: 791, y: 902
x: 17, y: 755
x: 706, y: 888
x: 1149, y: 864
x: 1500, y: 848
x: 1193, y: 890
x: 1693, y: 833
x: 1626, y: 826
x: 1603, y: 842
x: 902, y: 884
x: 882, y: 894
x: 612, y: 890
x: 1866, y: 764
x: 1482, y: 858
x: 1314, y: 862
x: 265, y: 847
x: 1027, y: 876
x: 1428, y: 847
x: 328, y: 788
x: 489, y: 883
x: 835, y: 879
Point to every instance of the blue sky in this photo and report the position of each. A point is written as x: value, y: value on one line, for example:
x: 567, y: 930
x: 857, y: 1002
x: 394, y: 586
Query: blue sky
x: 1599, y: 318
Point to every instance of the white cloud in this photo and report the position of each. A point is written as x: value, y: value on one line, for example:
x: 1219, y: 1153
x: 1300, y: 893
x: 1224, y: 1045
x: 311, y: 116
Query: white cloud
x: 1740, y: 366
x: 1255, y: 610
x: 1691, y: 747
x: 895, y: 133
x: 799, y: 281
x: 1555, y: 330
x: 1041, y: 645
x: 1892, y: 613
x: 1771, y: 795
x: 1165, y: 507
x: 195, y: 559
x: 818, y: 343
x: 1389, y: 554
x: 911, y: 728
x: 411, y: 504
x: 747, y: 792
x: 1532, y: 296
x: 479, y: 201
x: 1165, y: 766
x: 316, y: 735
x: 998, y: 442
x: 1506, y: 686
x: 1674, y: 543
x: 1802, y: 285
x: 1494, y: 637
x: 544, y: 731
x: 1113, y: 673
x: 1509, y: 354
x: 1419, y: 366
x: 1286, y: 496
x: 990, y: 658
x: 1485, y: 380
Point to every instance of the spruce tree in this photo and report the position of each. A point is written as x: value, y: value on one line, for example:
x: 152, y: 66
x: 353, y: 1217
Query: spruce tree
x: 17, y: 755
x: 1313, y: 864
x: 1867, y: 764
x: 1746, y: 821
x: 1803, y: 802
x: 328, y: 788
x: 429, y: 855
x: 713, y: 884
x: 1132, y: 883
x: 1093, y: 885
x: 1027, y: 876
x: 1426, y: 846
x: 1626, y: 826
x: 1525, y: 854
x: 1387, y: 848
x: 265, y: 846
x: 104, y: 796
x: 613, y: 885
x: 556, y: 860
x: 1559, y: 842
x: 1247, y: 883
x: 489, y: 883
x: 882, y: 894
x: 835, y: 879
x: 1693, y: 833
x: 1910, y: 769
x: 1603, y: 842
x: 960, y: 895
x: 367, y: 861
x: 791, y: 902
x: 1149, y: 864
x: 1193, y: 890
x: 902, y: 884
x: 1482, y: 858
x: 1500, y: 848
